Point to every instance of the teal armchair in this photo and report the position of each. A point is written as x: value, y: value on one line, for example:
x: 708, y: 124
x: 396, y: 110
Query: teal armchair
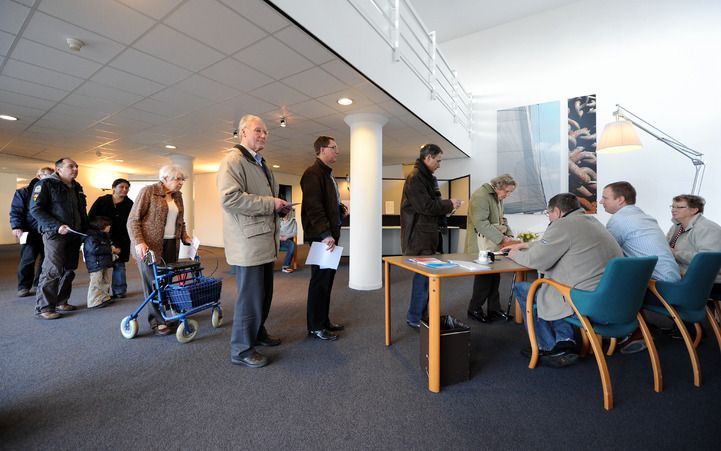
x: 611, y: 310
x: 687, y: 301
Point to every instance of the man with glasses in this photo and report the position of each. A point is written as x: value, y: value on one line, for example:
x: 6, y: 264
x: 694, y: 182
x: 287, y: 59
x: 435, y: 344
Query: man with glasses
x: 639, y: 235
x: 249, y: 199
x: 321, y: 215
x: 422, y: 210
x: 574, y: 251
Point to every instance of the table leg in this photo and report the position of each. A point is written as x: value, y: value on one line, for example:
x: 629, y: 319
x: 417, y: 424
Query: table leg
x: 434, y: 334
x: 387, y: 281
x: 520, y: 276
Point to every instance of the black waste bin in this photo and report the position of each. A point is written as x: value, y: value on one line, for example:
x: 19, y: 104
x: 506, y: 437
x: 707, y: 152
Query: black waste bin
x: 455, y: 350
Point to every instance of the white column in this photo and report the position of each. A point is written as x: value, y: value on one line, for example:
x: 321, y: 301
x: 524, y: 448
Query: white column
x: 186, y: 163
x: 366, y: 184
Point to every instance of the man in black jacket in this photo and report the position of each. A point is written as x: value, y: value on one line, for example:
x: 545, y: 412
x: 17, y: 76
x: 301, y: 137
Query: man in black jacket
x: 422, y: 210
x: 321, y: 216
x: 22, y: 221
x: 117, y: 206
x: 58, y: 204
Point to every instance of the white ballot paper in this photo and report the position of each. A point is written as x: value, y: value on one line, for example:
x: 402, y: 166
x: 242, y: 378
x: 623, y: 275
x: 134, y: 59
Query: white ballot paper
x: 24, y: 238
x: 318, y: 255
x: 189, y: 251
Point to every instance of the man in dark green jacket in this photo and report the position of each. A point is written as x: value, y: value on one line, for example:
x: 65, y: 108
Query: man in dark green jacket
x: 421, y: 210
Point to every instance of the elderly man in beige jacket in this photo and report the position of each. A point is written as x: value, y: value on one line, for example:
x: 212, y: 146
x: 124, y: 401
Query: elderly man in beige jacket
x: 574, y: 251
x: 250, y: 202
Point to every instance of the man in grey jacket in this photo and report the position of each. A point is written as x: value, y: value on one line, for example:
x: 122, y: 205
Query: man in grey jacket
x: 250, y: 203
x: 574, y: 251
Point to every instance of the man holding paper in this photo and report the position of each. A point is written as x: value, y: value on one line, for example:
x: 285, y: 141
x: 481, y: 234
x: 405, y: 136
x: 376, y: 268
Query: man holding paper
x: 249, y: 199
x: 58, y: 204
x: 422, y: 211
x: 321, y: 215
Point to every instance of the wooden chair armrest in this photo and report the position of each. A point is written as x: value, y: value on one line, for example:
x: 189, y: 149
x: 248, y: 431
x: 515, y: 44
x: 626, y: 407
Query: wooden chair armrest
x: 565, y: 290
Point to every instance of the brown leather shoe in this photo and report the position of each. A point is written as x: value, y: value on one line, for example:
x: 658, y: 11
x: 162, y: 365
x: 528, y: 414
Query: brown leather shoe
x: 65, y: 307
x: 47, y: 315
x: 162, y: 330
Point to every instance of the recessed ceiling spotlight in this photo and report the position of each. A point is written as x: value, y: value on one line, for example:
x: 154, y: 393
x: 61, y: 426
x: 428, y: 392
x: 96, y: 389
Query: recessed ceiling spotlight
x: 120, y: 161
x: 275, y: 166
x: 8, y: 117
x: 345, y: 101
x: 170, y: 146
x: 283, y: 122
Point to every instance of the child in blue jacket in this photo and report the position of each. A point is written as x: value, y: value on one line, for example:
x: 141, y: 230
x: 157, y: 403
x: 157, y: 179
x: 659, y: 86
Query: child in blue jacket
x: 99, y: 255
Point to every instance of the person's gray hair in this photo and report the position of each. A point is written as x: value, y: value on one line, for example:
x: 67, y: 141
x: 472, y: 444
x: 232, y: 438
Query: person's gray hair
x: 170, y: 172
x: 247, y: 118
x: 502, y: 181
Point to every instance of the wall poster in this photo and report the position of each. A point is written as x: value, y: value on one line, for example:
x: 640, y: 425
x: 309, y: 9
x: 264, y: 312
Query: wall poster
x: 582, y: 176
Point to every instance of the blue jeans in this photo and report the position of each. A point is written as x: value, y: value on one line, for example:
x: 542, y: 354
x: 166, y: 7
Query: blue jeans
x: 120, y: 285
x: 419, y: 299
x: 548, y: 333
x: 289, y: 247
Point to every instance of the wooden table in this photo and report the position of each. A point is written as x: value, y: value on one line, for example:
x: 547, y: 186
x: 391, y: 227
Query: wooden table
x: 501, y: 265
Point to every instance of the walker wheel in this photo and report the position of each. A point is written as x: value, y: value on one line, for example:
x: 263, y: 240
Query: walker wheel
x: 129, y: 327
x: 216, y: 319
x: 185, y: 335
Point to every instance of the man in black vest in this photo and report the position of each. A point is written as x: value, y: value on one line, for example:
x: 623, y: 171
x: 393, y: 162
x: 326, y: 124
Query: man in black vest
x: 321, y: 216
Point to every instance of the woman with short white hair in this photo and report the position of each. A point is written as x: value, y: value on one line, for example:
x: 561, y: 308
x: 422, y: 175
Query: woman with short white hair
x: 156, y: 223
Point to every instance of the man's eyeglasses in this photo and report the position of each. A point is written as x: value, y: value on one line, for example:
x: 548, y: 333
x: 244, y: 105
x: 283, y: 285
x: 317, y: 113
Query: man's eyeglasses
x: 331, y: 147
x: 546, y: 212
x: 678, y: 207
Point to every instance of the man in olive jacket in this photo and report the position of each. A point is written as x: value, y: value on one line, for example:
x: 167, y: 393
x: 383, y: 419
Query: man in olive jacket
x: 421, y: 210
x: 321, y: 215
x: 250, y: 203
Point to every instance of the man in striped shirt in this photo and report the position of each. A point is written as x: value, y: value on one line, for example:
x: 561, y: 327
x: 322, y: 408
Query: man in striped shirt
x: 639, y: 235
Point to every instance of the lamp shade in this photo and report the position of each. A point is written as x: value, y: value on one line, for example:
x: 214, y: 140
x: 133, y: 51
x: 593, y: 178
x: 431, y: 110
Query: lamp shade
x: 619, y: 137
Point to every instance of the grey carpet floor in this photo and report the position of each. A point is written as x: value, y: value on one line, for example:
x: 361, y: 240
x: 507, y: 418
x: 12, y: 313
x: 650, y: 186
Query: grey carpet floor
x: 76, y: 383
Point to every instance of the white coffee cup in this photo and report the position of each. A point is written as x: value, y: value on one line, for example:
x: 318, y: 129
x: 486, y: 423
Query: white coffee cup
x: 483, y: 256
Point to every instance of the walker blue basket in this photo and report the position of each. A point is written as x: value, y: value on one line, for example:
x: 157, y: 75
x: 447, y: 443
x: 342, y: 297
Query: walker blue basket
x: 179, y: 290
x: 195, y: 293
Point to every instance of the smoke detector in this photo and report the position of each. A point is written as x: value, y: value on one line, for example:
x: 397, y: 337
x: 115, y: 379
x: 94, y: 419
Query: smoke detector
x: 74, y: 44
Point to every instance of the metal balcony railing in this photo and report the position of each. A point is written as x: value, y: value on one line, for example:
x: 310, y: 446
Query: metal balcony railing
x: 400, y: 27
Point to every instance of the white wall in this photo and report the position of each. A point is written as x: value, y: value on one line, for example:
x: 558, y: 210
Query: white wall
x: 658, y: 59
x: 8, y: 185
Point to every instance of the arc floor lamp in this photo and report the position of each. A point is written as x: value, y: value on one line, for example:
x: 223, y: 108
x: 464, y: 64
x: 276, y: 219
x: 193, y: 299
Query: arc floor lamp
x: 620, y: 136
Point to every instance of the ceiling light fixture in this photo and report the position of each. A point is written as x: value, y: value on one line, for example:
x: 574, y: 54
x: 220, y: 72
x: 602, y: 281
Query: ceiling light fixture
x: 120, y: 161
x: 275, y: 166
x: 345, y: 101
x: 283, y: 122
x: 170, y: 146
x: 75, y: 44
x: 8, y: 117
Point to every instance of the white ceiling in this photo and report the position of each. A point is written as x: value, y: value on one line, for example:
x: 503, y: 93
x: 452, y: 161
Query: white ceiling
x: 178, y: 72
x: 452, y: 19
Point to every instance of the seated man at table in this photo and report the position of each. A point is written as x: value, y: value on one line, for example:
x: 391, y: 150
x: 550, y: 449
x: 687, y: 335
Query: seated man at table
x: 639, y: 235
x: 574, y: 251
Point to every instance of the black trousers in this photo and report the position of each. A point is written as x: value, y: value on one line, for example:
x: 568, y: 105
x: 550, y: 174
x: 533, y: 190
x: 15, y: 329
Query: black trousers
x: 319, y: 288
x: 170, y: 255
x: 485, y: 288
x: 252, y: 305
x: 58, y: 270
x: 28, y: 274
